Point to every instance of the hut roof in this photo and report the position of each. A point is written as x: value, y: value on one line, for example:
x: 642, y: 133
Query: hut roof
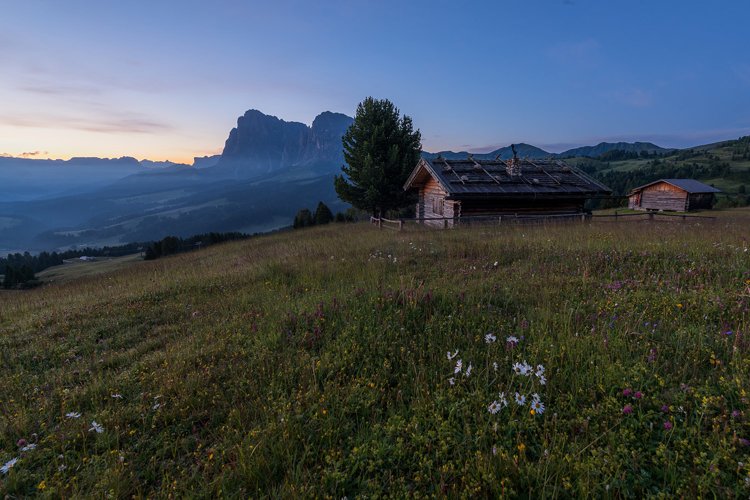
x: 688, y: 185
x: 471, y: 177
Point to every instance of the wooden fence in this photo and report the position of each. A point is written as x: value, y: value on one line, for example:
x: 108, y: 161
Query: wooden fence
x: 518, y: 219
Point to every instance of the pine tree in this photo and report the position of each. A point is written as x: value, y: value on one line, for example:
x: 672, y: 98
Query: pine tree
x: 323, y: 214
x: 303, y: 219
x: 381, y: 149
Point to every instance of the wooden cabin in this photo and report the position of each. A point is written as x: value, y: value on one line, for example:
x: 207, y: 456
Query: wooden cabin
x: 674, y: 195
x: 470, y: 189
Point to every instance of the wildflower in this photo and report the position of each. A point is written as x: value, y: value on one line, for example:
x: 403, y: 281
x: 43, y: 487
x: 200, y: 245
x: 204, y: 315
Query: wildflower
x: 28, y: 447
x: 744, y: 442
x: 8, y: 465
x: 736, y: 414
x: 73, y: 414
x: 664, y: 409
x: 502, y: 400
x: 468, y: 370
x: 668, y: 425
x: 542, y: 379
x: 156, y: 406
x: 117, y: 396
x: 96, y: 427
x: 459, y: 366
x: 537, y: 406
x: 494, y: 407
x: 627, y: 392
x: 452, y: 381
x: 522, y: 368
x: 638, y: 395
x: 627, y: 409
x: 489, y: 338
x: 451, y: 356
x: 21, y: 443
x: 539, y: 370
x: 494, y: 365
x: 512, y: 340
x: 520, y: 399
x: 494, y: 450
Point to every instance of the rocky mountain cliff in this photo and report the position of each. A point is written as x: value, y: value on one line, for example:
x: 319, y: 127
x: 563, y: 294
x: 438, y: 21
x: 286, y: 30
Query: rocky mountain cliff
x: 263, y: 144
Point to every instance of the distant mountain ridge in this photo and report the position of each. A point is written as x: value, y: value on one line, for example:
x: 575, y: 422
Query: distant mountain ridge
x: 533, y: 152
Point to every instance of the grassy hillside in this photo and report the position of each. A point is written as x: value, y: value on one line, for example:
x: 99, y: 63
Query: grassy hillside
x: 316, y: 363
x: 725, y: 165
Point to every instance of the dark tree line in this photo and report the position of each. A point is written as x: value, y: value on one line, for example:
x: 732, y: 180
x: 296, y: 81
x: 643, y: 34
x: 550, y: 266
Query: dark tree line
x: 322, y: 215
x: 172, y: 244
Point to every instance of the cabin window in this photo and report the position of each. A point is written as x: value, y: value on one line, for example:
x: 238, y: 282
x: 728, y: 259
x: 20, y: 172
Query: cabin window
x: 438, y: 205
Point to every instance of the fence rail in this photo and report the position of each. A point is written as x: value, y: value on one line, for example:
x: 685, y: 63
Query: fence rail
x: 399, y: 224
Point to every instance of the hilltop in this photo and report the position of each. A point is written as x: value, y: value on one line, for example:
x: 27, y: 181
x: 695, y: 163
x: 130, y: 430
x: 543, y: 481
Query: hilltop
x: 346, y: 361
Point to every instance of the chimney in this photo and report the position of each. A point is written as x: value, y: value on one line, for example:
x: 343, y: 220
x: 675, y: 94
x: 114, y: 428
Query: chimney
x: 512, y: 166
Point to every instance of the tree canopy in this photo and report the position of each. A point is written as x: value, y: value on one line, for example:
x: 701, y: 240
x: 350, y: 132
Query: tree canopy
x: 381, y: 149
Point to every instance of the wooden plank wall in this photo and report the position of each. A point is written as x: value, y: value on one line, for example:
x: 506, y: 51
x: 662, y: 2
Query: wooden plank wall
x: 430, y: 193
x: 664, y: 196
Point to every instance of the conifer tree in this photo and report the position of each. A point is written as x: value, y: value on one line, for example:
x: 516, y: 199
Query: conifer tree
x: 381, y: 149
x: 323, y: 214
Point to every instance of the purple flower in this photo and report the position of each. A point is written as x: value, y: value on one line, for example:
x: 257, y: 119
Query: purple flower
x: 744, y: 442
x: 638, y: 395
x: 668, y: 425
x: 627, y: 410
x: 652, y: 355
x: 627, y: 392
x: 21, y: 443
x: 736, y: 414
x: 665, y: 409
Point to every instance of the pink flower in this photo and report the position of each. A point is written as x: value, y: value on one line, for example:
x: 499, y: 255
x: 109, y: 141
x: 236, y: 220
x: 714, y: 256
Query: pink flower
x: 627, y: 409
x: 21, y: 443
x: 638, y: 395
x: 627, y: 392
x: 668, y: 425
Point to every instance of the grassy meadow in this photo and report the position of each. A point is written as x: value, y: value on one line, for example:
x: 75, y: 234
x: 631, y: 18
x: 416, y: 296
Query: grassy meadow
x: 608, y: 359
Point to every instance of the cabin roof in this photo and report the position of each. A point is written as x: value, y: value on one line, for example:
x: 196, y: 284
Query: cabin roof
x: 471, y: 177
x: 689, y: 185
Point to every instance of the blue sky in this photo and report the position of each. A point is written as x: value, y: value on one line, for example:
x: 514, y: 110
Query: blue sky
x: 167, y: 79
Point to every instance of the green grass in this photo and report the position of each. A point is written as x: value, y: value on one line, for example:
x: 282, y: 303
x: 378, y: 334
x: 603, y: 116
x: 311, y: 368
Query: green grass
x: 314, y: 363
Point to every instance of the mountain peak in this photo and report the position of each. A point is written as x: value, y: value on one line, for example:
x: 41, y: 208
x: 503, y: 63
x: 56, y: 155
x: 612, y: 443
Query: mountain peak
x: 263, y: 143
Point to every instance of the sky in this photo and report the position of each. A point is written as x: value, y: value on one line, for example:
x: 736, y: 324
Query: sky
x: 166, y: 80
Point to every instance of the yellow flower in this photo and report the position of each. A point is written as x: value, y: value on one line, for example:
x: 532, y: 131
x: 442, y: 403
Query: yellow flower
x: 41, y: 486
x: 521, y: 448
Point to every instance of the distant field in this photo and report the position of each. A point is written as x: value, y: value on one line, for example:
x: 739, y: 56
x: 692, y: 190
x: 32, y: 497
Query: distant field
x: 343, y: 361
x: 78, y: 269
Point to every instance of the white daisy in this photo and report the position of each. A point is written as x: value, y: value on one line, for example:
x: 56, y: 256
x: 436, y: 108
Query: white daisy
x: 537, y: 406
x: 8, y: 465
x: 117, y: 396
x: 452, y: 381
x: 468, y: 370
x: 542, y: 379
x: 494, y: 365
x: 98, y: 428
x: 512, y: 339
x: 520, y: 399
x: 539, y: 370
x: 502, y: 400
x: 29, y: 447
x: 489, y: 338
x: 451, y: 356
x: 73, y: 414
x: 459, y: 366
x: 494, y: 407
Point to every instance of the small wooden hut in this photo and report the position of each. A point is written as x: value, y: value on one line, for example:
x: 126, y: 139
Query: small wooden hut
x: 469, y: 188
x: 674, y: 195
